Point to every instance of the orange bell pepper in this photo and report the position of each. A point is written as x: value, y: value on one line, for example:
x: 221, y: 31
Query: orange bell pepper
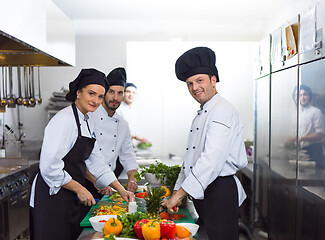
x: 113, y: 225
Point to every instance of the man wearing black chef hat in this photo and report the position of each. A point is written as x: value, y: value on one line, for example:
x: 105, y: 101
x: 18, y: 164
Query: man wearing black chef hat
x: 113, y: 134
x: 215, y: 150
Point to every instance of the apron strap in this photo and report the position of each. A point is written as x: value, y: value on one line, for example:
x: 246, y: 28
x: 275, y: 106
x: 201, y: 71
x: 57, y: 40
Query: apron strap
x: 74, y: 108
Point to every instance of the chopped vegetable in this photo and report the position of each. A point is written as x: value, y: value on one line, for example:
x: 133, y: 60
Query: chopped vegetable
x: 108, y: 210
x: 171, y: 216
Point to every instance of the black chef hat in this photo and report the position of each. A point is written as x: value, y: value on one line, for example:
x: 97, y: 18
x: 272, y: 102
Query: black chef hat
x: 86, y: 77
x: 126, y: 85
x: 117, y: 77
x: 199, y: 60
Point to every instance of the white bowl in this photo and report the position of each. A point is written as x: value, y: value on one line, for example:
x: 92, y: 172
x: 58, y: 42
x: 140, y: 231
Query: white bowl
x: 192, y: 227
x: 98, y: 226
x: 151, y: 178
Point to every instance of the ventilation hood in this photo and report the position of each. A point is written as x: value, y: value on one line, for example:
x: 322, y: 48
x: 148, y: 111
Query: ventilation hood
x: 16, y: 52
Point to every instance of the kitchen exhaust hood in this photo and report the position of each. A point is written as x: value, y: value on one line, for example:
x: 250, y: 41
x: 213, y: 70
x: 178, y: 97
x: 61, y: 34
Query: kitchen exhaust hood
x: 15, y: 52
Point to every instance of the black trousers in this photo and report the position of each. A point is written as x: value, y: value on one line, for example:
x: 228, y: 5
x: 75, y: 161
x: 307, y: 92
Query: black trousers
x: 218, y: 211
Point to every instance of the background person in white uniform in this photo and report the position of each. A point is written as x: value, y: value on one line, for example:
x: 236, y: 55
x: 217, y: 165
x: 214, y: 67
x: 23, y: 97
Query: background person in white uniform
x: 215, y: 150
x: 126, y: 110
x: 311, y: 127
x: 113, y: 134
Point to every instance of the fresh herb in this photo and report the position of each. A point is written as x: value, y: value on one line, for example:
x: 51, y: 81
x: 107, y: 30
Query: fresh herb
x: 153, y: 201
x: 144, y: 145
x: 128, y: 221
x: 161, y: 171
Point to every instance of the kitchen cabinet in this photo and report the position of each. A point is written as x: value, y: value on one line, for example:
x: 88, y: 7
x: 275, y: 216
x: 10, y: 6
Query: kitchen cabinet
x: 261, y: 153
x: 283, y: 122
x: 289, y: 139
x: 262, y: 61
x: 280, y: 51
x: 312, y: 30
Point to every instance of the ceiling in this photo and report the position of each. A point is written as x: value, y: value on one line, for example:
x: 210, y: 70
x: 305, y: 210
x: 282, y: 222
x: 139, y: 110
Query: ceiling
x: 243, y: 20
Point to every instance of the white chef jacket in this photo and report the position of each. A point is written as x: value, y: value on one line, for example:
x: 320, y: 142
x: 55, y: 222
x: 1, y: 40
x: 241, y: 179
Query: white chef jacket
x: 311, y: 120
x: 59, y: 137
x: 215, y: 147
x: 114, y: 139
x: 128, y: 113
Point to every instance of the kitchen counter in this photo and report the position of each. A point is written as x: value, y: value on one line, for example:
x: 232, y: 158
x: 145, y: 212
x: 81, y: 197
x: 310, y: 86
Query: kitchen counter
x: 19, y: 168
x: 90, y: 233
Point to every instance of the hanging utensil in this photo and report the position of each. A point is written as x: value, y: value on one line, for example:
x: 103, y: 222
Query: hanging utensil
x: 11, y: 99
x: 2, y: 107
x: 4, y: 87
x: 2, y: 80
x: 32, y: 100
x: 20, y: 99
x: 26, y: 99
x: 39, y: 100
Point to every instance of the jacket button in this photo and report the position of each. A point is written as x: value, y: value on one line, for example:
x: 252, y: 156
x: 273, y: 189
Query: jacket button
x: 197, y: 128
x: 116, y: 121
x: 100, y: 149
x: 191, y: 167
x: 186, y: 148
x: 112, y: 150
x: 109, y: 165
x: 101, y: 118
x: 183, y: 167
x: 193, y: 147
x: 191, y: 130
x: 114, y: 135
x: 101, y: 133
x: 205, y: 111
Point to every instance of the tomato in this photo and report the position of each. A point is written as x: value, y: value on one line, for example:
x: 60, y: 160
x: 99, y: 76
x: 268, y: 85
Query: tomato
x: 141, y: 194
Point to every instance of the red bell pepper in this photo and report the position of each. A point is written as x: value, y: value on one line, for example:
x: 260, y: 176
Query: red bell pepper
x: 138, y: 227
x: 168, y: 229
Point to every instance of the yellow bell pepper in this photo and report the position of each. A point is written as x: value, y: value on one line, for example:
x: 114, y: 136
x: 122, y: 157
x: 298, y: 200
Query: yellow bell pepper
x: 167, y: 191
x: 151, y: 230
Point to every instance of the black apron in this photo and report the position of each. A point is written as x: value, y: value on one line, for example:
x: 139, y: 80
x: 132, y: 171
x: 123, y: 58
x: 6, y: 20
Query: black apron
x: 58, y: 216
x: 218, y: 211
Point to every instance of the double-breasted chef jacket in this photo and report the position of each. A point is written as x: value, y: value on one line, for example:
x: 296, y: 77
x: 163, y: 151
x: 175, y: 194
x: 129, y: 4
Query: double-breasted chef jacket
x: 128, y: 114
x: 114, y: 139
x: 215, y: 147
x: 59, y: 137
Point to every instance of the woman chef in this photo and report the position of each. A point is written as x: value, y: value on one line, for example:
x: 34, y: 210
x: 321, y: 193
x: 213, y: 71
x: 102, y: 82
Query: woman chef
x: 69, y: 148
